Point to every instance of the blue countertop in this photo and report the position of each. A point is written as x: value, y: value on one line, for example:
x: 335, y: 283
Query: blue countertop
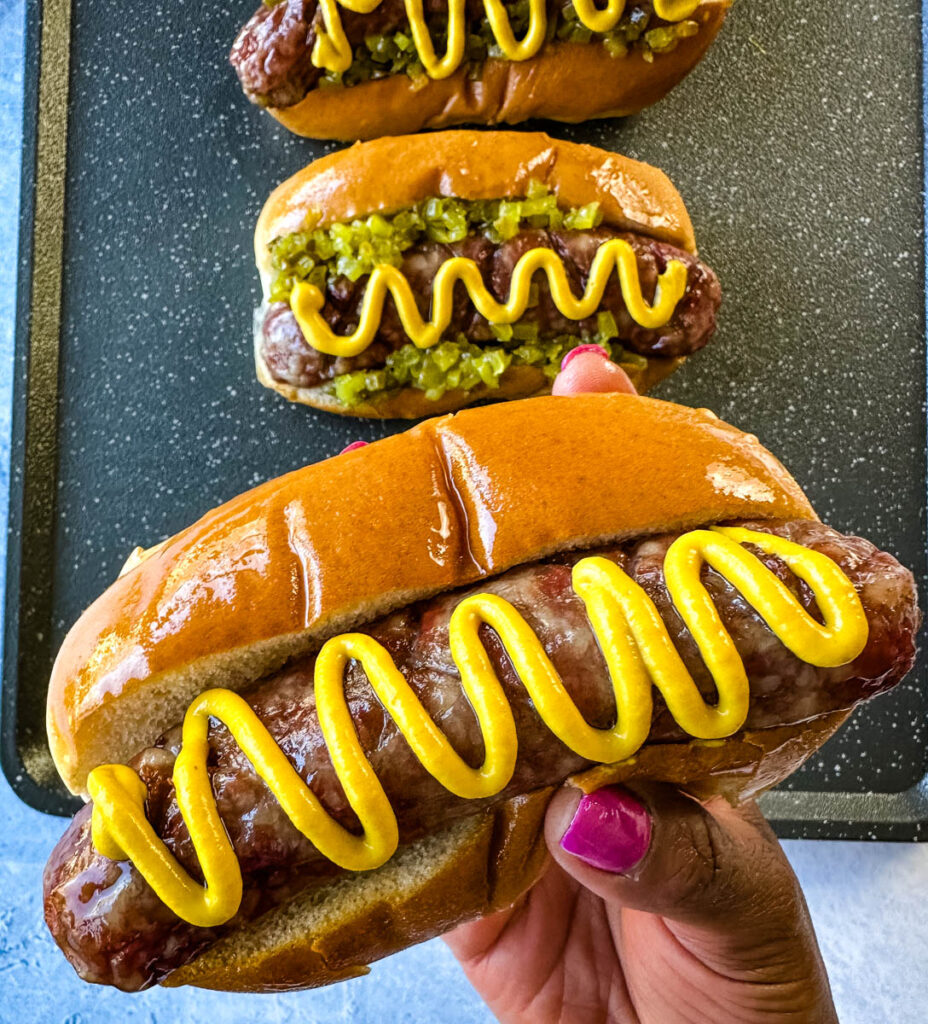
x: 866, y: 899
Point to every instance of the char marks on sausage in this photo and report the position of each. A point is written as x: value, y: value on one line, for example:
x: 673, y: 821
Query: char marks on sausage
x: 113, y: 928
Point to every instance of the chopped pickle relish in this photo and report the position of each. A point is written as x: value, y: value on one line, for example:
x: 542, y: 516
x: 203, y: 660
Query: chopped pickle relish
x: 459, y: 363
x: 354, y: 249
x: 394, y: 53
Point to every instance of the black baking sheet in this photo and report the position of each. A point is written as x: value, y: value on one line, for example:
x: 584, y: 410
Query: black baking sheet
x: 797, y: 145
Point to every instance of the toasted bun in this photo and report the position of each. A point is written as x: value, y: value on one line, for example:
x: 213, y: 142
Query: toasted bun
x: 565, y: 82
x: 479, y: 865
x: 391, y: 173
x: 279, y: 569
x: 466, y: 165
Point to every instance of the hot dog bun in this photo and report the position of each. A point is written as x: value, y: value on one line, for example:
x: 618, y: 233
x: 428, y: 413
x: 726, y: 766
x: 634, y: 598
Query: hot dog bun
x: 340, y: 543
x: 392, y: 173
x: 564, y: 82
x: 347, y: 540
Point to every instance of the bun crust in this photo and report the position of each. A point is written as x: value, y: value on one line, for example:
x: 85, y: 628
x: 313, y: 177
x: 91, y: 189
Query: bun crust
x: 451, y: 501
x: 391, y: 173
x: 479, y: 865
x: 565, y: 82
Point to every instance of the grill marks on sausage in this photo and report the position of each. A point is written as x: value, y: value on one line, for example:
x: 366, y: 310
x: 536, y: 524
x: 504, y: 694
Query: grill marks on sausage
x: 292, y: 360
x: 114, y: 929
x: 273, y: 53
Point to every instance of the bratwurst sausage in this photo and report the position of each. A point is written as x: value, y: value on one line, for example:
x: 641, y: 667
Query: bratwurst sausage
x: 291, y: 360
x: 114, y: 929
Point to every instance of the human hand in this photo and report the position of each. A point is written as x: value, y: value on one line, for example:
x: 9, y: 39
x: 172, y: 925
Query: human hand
x: 693, y: 915
x: 655, y: 909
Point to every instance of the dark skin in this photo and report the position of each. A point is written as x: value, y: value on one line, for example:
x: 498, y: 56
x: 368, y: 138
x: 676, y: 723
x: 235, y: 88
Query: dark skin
x: 710, y: 927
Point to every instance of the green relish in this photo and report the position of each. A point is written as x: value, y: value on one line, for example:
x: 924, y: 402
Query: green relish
x: 459, y: 363
x: 394, y: 53
x: 353, y: 249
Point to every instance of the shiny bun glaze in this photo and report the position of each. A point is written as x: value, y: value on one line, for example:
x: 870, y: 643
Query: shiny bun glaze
x: 454, y: 500
x: 392, y: 173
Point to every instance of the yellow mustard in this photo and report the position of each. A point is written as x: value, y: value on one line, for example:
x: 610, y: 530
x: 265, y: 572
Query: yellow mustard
x: 306, y: 300
x: 332, y: 50
x: 639, y: 654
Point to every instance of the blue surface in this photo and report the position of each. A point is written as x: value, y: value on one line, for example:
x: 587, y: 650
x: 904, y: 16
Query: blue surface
x: 866, y: 899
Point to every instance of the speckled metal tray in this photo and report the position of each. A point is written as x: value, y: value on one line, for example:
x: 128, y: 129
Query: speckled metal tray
x: 798, y: 147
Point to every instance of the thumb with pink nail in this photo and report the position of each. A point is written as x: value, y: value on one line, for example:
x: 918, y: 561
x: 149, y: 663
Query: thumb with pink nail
x: 656, y: 909
x: 588, y: 368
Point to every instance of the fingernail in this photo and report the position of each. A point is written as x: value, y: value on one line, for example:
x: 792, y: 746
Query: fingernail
x: 610, y: 830
x: 598, y: 349
x: 354, y: 445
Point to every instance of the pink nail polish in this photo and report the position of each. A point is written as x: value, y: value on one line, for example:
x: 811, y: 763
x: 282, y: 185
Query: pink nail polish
x: 353, y: 446
x: 598, y: 349
x: 610, y: 830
